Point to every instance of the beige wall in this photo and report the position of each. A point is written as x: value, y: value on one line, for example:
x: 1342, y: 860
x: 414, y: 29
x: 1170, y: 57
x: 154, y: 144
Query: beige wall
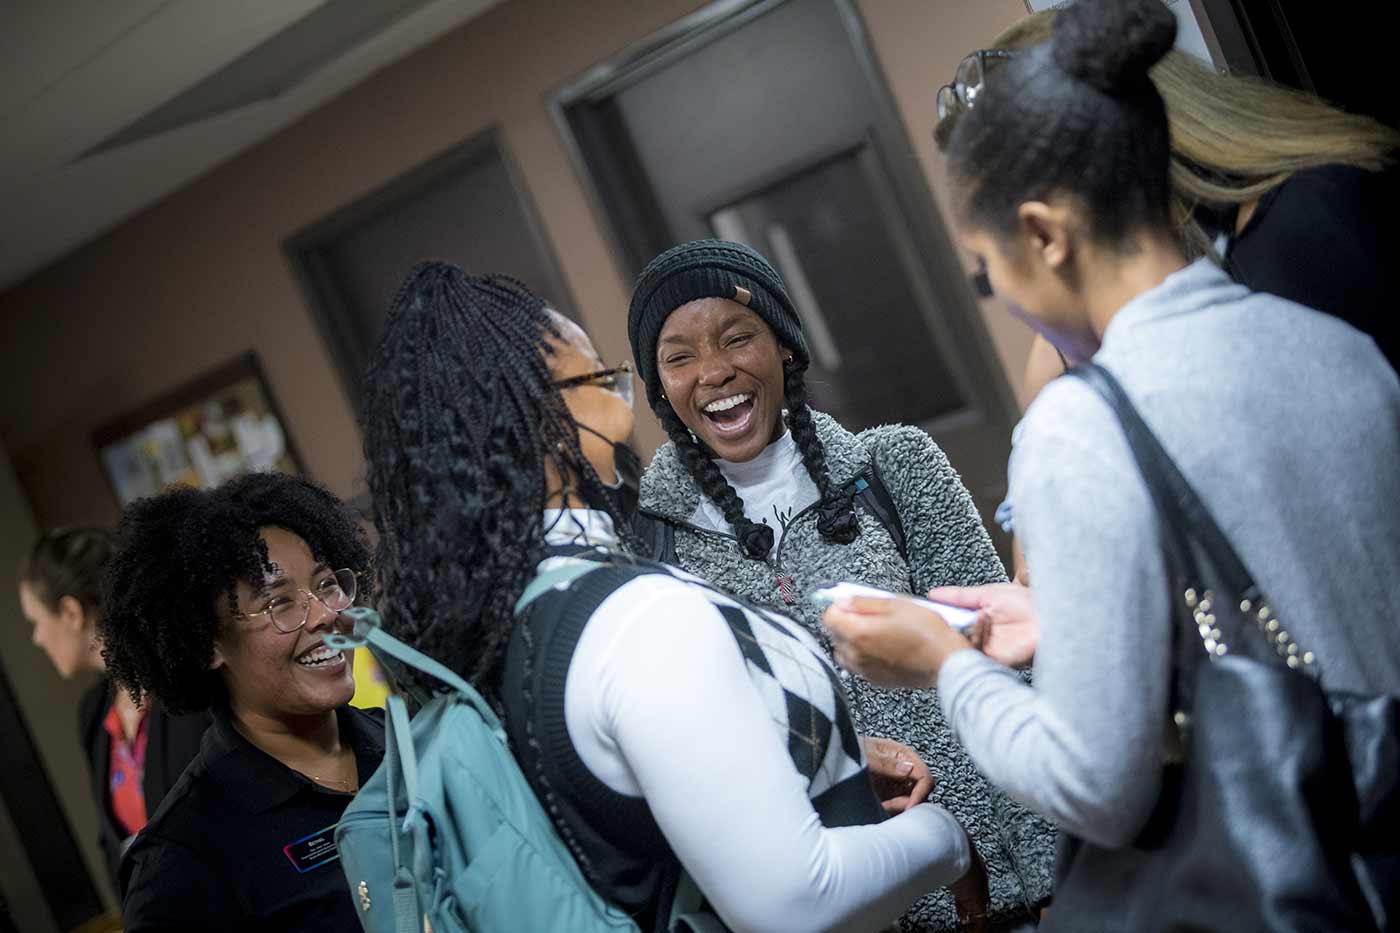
x: 200, y: 277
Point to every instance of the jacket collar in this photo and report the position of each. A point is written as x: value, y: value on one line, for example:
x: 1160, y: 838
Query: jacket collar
x: 260, y: 782
x: 668, y: 490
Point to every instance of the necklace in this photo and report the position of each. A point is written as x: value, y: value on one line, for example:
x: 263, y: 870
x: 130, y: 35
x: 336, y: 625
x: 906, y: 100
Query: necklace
x: 343, y: 786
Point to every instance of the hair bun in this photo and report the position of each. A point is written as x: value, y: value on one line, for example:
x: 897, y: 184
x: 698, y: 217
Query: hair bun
x: 1111, y: 44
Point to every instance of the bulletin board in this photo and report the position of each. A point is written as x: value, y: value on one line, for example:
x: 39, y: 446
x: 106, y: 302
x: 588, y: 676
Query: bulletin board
x: 220, y: 425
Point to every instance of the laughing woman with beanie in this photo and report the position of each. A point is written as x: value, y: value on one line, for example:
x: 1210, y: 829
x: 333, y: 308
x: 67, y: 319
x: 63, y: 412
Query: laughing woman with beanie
x: 769, y: 499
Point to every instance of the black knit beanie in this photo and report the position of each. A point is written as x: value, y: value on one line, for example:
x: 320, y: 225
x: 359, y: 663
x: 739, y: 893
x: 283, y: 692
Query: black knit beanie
x: 707, y: 269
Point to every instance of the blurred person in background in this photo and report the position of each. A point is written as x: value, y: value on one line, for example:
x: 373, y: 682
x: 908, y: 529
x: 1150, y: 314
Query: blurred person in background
x: 135, y: 752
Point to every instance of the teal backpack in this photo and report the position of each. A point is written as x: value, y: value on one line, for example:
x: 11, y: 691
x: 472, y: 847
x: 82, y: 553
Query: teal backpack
x: 448, y: 835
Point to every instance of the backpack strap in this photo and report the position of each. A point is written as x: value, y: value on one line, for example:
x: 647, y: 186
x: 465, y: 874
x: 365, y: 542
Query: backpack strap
x: 369, y: 631
x: 559, y: 577
x: 659, y: 534
x: 401, y: 759
x: 666, y: 544
x: 872, y: 494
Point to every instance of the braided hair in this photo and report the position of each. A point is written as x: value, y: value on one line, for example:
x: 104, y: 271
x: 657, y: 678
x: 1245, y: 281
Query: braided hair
x: 460, y: 418
x: 836, y: 515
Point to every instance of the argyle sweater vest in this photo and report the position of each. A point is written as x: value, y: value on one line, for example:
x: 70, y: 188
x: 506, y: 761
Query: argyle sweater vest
x: 613, y: 836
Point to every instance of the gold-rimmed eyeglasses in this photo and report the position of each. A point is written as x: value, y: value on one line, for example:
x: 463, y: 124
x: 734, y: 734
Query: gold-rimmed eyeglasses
x: 288, y: 612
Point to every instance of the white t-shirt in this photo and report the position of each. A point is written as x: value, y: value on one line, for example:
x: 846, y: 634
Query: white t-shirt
x: 775, y: 486
x: 659, y: 703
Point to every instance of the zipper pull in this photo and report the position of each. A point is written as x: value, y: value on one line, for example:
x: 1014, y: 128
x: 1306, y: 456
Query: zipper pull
x: 787, y: 588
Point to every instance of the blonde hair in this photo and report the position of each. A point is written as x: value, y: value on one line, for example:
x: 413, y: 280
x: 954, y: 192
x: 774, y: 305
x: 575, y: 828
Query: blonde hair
x: 1233, y: 137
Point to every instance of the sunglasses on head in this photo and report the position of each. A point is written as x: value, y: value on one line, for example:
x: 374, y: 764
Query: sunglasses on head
x: 967, y: 82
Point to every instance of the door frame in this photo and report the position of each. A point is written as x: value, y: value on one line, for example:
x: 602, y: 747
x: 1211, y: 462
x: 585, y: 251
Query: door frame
x: 304, y: 249
x: 932, y: 245
x: 888, y: 202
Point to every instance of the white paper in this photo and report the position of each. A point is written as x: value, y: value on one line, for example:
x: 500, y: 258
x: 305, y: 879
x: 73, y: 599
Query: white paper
x: 956, y: 617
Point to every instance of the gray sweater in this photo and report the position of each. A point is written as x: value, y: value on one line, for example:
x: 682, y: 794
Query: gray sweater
x: 1287, y: 424
x: 946, y: 545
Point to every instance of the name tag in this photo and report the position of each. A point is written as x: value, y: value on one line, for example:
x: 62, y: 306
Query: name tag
x: 314, y: 850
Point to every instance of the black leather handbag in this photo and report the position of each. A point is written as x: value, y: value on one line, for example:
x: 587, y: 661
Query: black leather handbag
x: 1280, y: 801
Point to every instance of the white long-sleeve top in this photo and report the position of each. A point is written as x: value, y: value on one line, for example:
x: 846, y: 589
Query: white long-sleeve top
x: 660, y: 703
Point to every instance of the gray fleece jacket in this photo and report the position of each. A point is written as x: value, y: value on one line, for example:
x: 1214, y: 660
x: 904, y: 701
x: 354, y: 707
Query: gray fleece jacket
x: 947, y: 544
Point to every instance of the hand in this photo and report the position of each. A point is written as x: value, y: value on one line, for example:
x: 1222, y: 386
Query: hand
x: 891, y: 641
x: 1007, y: 628
x: 971, y: 893
x: 901, y: 779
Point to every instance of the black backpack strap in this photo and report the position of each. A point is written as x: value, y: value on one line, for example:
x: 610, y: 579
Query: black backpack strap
x: 873, y: 496
x: 659, y: 534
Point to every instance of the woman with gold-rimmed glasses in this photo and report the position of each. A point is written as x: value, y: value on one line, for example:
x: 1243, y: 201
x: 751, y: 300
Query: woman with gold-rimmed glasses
x: 288, y: 607
x: 220, y: 600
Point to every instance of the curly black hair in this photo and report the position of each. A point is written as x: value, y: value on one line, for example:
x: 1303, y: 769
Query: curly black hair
x: 460, y: 417
x: 182, y: 551
x: 836, y: 511
x: 69, y: 562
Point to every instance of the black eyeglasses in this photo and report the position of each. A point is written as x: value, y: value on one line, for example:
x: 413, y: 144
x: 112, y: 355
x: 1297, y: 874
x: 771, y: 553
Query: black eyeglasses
x: 967, y: 82
x: 618, y: 379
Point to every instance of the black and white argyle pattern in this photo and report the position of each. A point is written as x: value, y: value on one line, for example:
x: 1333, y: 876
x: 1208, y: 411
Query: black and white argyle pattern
x: 804, y: 698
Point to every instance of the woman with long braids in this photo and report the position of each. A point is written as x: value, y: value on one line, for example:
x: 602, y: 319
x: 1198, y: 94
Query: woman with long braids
x: 662, y: 724
x: 769, y: 499
x: 1285, y: 422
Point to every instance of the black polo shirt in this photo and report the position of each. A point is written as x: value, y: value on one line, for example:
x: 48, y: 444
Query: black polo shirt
x: 243, y: 842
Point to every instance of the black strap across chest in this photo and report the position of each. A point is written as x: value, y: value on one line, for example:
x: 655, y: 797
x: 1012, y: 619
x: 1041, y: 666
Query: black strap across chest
x: 869, y: 492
